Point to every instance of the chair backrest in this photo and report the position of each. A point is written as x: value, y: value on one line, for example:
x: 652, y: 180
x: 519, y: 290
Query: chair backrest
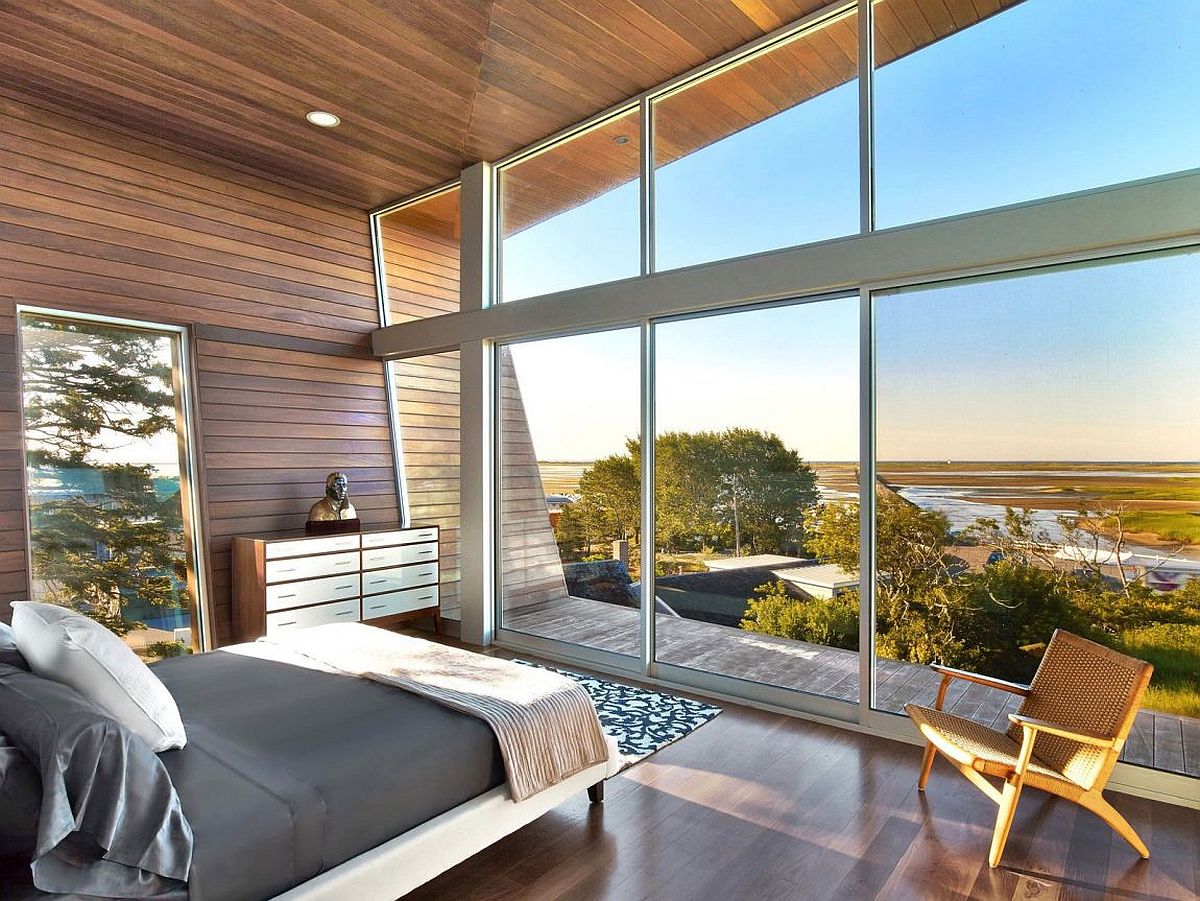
x: 1087, y: 687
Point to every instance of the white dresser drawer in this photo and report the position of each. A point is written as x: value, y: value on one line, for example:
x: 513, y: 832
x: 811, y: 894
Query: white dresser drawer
x: 381, y: 580
x: 399, y: 602
x: 283, y: 595
x: 377, y: 558
x: 311, y: 567
x: 303, y: 547
x: 399, y: 536
x: 338, y: 612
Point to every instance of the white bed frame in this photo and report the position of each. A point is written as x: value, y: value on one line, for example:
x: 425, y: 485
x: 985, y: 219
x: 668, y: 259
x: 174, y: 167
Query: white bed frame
x: 396, y: 867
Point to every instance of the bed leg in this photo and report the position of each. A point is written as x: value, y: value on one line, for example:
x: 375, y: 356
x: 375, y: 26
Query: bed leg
x: 596, y: 793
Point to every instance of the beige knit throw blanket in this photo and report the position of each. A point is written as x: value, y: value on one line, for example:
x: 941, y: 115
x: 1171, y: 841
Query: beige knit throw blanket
x: 545, y: 723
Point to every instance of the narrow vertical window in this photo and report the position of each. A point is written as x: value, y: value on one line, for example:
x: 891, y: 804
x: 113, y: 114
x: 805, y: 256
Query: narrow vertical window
x: 109, y: 496
x: 419, y: 248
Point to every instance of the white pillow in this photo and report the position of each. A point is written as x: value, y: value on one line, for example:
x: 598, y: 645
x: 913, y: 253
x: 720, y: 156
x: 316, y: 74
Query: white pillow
x: 69, y: 647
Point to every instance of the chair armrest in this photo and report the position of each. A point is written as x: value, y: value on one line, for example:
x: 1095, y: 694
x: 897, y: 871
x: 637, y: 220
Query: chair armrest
x: 1031, y: 724
x: 1011, y: 687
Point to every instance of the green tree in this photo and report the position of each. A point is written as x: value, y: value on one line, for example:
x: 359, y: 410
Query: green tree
x: 569, y: 534
x: 732, y: 489
x: 82, y: 380
x: 737, y: 489
x: 86, y: 389
x: 910, y: 547
x: 763, y: 490
x: 610, y: 499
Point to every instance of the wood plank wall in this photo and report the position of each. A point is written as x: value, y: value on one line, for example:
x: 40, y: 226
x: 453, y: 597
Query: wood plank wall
x: 275, y: 283
x: 529, y: 560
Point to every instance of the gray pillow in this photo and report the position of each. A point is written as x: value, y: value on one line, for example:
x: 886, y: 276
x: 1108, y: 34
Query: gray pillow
x: 109, y: 821
x: 9, y: 655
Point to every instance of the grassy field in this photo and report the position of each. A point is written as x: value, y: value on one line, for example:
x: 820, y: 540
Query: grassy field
x: 1182, y: 527
x: 1175, y: 652
x: 1161, y: 501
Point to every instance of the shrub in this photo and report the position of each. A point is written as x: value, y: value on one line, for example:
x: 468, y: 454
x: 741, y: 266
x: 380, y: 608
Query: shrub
x: 832, y: 622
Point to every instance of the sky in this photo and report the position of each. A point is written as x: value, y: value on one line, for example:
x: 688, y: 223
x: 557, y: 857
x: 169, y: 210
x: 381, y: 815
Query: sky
x: 1098, y: 363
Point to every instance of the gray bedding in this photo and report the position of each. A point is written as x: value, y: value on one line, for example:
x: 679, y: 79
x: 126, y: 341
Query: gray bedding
x: 290, y: 771
x: 108, y: 819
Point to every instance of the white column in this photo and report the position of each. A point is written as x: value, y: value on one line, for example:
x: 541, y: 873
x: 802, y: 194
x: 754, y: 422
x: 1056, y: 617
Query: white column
x: 476, y: 285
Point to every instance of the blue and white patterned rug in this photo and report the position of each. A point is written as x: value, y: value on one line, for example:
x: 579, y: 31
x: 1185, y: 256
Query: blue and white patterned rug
x: 641, y: 721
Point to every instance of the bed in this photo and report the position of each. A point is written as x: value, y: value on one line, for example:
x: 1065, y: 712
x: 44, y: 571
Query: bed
x: 302, y: 783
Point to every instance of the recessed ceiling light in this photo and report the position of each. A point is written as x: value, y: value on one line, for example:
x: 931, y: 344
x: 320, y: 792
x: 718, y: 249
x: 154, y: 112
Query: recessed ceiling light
x: 323, y: 119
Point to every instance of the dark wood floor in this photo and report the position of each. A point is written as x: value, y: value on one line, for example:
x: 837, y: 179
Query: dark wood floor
x: 762, y: 806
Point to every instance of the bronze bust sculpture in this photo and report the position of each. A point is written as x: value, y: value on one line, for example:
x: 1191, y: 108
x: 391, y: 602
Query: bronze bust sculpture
x: 335, y: 505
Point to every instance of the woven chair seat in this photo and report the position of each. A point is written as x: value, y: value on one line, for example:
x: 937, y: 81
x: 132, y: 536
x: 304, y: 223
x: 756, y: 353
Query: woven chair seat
x: 986, y: 750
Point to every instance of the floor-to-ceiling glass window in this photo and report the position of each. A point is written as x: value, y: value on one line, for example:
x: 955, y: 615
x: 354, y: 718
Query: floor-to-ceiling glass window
x: 761, y: 155
x: 756, y: 495
x: 569, y: 214
x: 569, y: 491
x: 991, y: 103
x: 107, y: 477
x: 1037, y: 439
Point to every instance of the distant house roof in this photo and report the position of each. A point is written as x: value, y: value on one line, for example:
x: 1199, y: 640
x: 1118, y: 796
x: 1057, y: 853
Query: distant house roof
x: 756, y: 561
x: 824, y: 575
x: 1092, y: 555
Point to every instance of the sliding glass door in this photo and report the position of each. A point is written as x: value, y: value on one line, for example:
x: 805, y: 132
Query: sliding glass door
x: 1037, y: 437
x: 756, y: 495
x: 569, y: 560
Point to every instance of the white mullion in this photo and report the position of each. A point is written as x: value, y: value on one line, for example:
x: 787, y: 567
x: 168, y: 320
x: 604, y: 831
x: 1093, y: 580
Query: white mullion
x: 646, y: 116
x: 866, y: 115
x: 646, y: 544
x: 1153, y: 214
x: 866, y: 505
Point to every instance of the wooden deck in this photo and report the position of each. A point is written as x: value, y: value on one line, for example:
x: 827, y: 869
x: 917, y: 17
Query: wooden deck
x: 1166, y: 742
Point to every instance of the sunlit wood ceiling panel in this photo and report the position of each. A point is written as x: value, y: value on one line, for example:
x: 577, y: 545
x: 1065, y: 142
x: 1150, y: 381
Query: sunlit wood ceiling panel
x: 423, y: 87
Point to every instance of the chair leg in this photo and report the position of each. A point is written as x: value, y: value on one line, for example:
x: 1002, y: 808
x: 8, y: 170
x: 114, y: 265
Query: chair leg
x: 926, y: 765
x: 1004, y: 819
x: 1096, y: 803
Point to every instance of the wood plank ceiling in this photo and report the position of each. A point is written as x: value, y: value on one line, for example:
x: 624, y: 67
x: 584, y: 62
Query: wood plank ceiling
x: 423, y: 86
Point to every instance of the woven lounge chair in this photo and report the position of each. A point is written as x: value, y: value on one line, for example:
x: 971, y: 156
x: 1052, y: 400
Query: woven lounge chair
x: 1065, y: 739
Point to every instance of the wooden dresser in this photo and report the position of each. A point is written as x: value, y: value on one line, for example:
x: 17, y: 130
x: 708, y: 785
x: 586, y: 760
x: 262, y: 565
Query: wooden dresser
x: 381, y: 578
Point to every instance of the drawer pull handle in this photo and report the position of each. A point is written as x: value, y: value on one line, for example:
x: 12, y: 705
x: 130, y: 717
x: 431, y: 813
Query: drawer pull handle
x: 282, y: 596
x: 427, y: 597
x: 426, y: 553
x: 343, y: 563
x: 290, y: 622
x: 377, y: 606
x: 379, y: 582
x: 290, y: 569
x: 343, y: 587
x: 345, y: 613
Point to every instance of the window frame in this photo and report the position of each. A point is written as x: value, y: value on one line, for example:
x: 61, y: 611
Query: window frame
x: 1158, y: 213
x: 195, y: 538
